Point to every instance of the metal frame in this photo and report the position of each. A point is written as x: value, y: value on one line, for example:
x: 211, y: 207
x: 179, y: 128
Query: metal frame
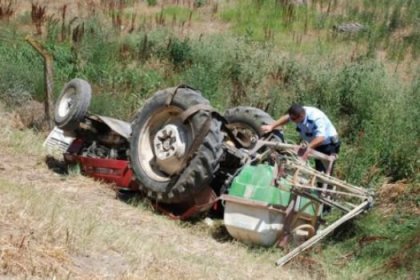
x: 351, y: 200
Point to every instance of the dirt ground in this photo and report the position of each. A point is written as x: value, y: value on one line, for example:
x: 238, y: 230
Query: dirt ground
x: 71, y: 227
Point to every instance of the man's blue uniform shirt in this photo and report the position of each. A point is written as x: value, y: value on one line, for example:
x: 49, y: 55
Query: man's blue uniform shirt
x: 316, y: 123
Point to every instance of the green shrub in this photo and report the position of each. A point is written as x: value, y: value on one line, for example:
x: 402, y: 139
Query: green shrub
x: 21, y: 72
x: 200, y: 3
x: 151, y: 2
x: 380, y: 126
x: 174, y: 13
x: 180, y: 52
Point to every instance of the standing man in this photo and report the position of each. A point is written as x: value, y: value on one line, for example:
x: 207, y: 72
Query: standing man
x: 314, y: 127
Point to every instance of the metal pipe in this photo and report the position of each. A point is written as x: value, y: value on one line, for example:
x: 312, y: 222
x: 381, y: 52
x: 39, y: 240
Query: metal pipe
x: 321, y: 200
x: 316, y: 238
x: 312, y: 152
x: 328, y: 179
x: 330, y: 191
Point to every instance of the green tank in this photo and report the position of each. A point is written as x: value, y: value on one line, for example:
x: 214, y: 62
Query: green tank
x: 256, y: 183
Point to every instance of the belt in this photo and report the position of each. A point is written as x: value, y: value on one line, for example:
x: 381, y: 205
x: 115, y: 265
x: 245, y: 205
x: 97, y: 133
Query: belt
x: 332, y: 140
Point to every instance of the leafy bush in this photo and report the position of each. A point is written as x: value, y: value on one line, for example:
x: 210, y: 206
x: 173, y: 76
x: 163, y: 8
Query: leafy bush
x: 379, y: 115
x: 21, y: 71
x: 200, y: 3
x: 151, y: 2
x: 179, y: 52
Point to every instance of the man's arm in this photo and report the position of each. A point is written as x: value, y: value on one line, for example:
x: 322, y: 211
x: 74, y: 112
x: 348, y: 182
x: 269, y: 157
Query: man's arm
x: 304, y: 149
x: 317, y: 141
x: 303, y: 152
x: 280, y: 122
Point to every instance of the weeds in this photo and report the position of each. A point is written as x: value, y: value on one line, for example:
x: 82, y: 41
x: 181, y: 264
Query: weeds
x: 382, y: 247
x: 241, y: 72
x: 7, y: 9
x: 152, y: 2
x: 381, y: 21
x: 179, y: 52
x: 38, y: 15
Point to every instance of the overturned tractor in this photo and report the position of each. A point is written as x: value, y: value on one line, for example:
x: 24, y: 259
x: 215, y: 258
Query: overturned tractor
x: 187, y: 158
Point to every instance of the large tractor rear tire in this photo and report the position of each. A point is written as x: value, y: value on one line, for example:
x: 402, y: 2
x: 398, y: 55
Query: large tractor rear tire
x: 161, y: 140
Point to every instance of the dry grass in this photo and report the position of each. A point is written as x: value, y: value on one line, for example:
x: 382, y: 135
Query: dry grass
x: 72, y: 227
x: 389, y: 196
x: 127, y: 18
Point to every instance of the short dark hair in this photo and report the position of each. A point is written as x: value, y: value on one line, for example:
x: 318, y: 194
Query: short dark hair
x: 296, y: 110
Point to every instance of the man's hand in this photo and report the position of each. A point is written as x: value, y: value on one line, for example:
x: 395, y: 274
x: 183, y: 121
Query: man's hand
x: 278, y: 123
x: 303, y: 152
x: 267, y: 128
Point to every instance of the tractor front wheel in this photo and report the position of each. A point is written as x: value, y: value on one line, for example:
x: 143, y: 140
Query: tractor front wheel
x: 245, y: 124
x: 72, y: 104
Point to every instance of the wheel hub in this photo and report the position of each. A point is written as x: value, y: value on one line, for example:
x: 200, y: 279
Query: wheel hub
x: 246, y: 136
x: 66, y: 104
x: 169, y: 148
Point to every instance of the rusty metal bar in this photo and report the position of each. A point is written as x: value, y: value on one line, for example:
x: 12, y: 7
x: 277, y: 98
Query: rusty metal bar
x: 320, y: 200
x: 312, y: 152
x: 49, y: 81
x: 330, y: 191
x: 316, y: 238
x: 329, y: 180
